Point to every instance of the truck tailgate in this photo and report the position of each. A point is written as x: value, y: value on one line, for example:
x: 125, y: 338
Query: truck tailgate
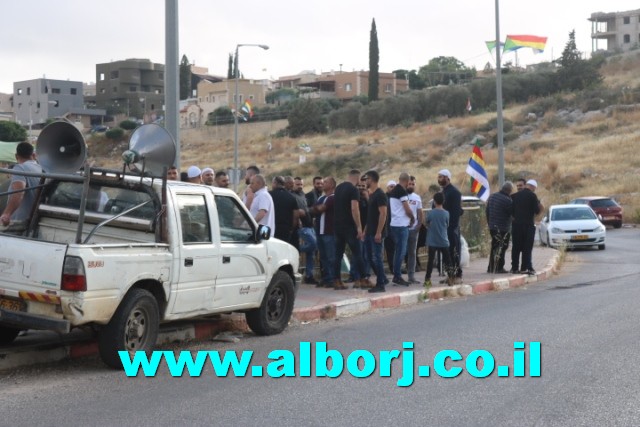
x: 30, y: 265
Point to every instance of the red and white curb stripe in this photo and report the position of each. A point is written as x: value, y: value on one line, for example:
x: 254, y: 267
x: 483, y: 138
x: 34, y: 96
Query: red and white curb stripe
x: 207, y: 329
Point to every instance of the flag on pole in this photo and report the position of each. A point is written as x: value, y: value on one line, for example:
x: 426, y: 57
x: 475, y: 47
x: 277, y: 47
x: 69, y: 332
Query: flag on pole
x: 491, y: 45
x: 247, y: 108
x: 476, y: 169
x: 514, y: 42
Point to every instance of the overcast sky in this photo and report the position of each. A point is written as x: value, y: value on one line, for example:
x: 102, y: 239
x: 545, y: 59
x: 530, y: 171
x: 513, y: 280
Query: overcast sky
x: 64, y: 39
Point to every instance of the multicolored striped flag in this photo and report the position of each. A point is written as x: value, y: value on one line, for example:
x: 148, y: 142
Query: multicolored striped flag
x: 516, y: 42
x: 476, y: 169
x: 246, y: 108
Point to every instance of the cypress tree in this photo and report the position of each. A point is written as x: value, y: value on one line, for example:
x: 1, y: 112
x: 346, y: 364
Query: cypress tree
x: 374, y: 59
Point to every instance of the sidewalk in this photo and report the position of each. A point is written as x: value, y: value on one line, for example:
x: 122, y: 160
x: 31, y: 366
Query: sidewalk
x: 312, y: 304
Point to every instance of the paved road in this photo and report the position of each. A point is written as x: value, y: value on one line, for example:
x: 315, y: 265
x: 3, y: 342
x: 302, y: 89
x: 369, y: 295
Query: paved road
x: 586, y: 320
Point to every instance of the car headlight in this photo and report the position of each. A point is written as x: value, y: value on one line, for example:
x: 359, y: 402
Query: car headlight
x: 557, y: 230
x: 599, y: 229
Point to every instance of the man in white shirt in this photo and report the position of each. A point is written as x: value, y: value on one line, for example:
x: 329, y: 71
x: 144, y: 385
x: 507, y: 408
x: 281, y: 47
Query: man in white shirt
x: 262, y: 204
x: 402, y: 219
x: 415, y: 203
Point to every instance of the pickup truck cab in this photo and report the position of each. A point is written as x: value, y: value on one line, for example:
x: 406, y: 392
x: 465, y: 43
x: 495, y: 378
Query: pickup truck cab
x: 122, y: 253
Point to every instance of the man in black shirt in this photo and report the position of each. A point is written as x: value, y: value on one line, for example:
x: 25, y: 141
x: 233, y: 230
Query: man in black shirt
x: 285, y: 209
x: 498, y: 214
x: 524, y: 208
x: 453, y: 205
x: 375, y: 229
x: 304, y: 236
x: 348, y: 228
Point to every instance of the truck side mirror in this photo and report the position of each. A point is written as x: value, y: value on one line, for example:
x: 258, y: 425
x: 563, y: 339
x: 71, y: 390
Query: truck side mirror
x: 263, y: 233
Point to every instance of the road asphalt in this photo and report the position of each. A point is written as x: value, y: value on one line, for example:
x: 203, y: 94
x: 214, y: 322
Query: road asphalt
x: 312, y: 304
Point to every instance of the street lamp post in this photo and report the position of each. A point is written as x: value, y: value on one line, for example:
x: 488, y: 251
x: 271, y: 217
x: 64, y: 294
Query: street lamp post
x: 236, y: 173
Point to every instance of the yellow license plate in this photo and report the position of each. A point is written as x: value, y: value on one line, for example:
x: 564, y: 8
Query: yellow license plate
x: 580, y: 237
x: 13, y: 305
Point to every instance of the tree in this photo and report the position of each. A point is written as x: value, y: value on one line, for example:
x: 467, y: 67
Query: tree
x: 415, y: 81
x: 445, y: 70
x: 12, y: 132
x: 185, y: 78
x: 230, y: 68
x: 576, y: 73
x: 374, y: 59
x: 236, y: 72
x: 305, y: 117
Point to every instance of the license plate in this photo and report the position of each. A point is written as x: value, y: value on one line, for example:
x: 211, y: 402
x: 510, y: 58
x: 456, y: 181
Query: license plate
x: 609, y: 217
x: 13, y: 305
x: 580, y: 237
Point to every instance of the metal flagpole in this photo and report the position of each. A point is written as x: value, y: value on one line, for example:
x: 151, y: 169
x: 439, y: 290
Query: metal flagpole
x: 499, y: 100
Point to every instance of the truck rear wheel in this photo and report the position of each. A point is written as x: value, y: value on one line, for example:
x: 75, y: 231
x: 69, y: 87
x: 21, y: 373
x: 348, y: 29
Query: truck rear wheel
x: 8, y: 334
x: 277, y: 305
x: 133, y: 327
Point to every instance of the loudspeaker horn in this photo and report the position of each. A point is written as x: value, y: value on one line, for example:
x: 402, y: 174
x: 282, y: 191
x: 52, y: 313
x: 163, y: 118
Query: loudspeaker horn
x: 151, y: 148
x: 61, y: 148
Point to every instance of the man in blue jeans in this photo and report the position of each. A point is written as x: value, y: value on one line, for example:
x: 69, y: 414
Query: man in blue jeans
x: 401, y: 219
x: 375, y: 230
x: 304, y: 236
x: 324, y: 210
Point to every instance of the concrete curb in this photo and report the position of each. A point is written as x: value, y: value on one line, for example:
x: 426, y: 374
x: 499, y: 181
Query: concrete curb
x: 204, y: 329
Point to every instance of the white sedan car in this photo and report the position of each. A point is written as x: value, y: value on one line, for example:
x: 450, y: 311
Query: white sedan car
x: 571, y: 226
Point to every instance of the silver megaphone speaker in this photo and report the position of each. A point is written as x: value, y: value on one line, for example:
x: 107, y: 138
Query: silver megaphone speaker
x: 151, y: 148
x: 61, y: 148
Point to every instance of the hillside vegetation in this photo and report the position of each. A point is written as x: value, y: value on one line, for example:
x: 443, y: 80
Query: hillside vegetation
x: 576, y: 145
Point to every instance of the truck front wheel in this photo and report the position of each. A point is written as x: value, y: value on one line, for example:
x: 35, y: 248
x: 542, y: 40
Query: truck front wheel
x: 8, y: 334
x: 133, y: 327
x: 277, y: 305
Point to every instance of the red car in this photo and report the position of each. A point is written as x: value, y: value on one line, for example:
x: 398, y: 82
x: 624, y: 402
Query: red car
x: 606, y: 207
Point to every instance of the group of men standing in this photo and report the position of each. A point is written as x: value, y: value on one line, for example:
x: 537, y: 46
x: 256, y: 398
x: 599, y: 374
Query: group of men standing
x: 195, y: 175
x: 357, y: 213
x: 511, y: 215
x: 363, y: 220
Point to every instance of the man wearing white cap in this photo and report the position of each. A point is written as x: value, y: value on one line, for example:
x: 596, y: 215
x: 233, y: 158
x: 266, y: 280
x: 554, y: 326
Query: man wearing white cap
x: 208, y: 176
x: 524, y: 208
x: 453, y: 205
x: 193, y: 175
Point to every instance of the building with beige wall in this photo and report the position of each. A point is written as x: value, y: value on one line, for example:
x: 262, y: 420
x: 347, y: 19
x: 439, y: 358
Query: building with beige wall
x: 222, y: 94
x: 620, y: 31
x: 345, y: 85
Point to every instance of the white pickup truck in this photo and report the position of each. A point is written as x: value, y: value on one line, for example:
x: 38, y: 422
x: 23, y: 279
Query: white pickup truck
x: 121, y: 254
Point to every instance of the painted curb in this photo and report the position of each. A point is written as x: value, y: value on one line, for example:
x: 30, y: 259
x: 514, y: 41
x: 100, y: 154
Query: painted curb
x: 207, y: 329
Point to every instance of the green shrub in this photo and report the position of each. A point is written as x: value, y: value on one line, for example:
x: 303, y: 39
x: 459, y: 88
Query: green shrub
x: 114, y: 134
x: 128, y: 124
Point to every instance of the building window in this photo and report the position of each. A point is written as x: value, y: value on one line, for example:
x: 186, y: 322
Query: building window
x: 28, y: 91
x: 626, y: 38
x: 101, y: 77
x: 114, y: 74
x: 626, y: 20
x: 161, y: 76
x: 115, y: 89
x: 19, y: 92
x: 133, y: 88
x: 347, y: 87
x: 74, y: 91
x: 55, y: 90
x: 102, y: 90
x: 388, y: 88
x: 251, y: 97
